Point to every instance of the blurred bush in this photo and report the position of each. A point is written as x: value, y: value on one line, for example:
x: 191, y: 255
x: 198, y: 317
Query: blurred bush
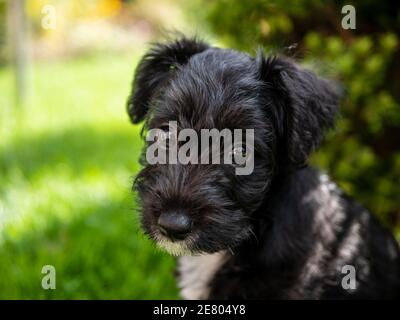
x: 363, y: 154
x: 2, y: 32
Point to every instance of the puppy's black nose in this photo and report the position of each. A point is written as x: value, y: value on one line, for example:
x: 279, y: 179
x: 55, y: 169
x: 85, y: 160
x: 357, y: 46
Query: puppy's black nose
x: 174, y: 225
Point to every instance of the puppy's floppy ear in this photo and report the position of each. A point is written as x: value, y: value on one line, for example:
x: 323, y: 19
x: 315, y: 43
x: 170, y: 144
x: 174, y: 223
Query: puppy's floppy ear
x: 155, y: 68
x: 301, y: 106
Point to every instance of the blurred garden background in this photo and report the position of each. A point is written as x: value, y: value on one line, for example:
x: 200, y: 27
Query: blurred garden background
x: 68, y: 153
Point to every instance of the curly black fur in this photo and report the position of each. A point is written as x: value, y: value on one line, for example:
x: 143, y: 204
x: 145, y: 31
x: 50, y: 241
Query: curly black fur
x: 283, y: 232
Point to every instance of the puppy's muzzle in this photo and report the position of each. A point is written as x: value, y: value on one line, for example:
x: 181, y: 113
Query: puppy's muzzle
x: 174, y: 225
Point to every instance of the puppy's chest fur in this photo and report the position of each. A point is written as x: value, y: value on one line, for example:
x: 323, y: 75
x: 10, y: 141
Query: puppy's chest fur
x: 195, y: 273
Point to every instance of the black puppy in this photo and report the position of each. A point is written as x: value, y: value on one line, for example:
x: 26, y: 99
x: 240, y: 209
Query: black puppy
x: 283, y: 232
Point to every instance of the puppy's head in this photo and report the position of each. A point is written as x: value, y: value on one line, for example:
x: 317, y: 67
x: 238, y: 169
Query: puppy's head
x: 193, y: 208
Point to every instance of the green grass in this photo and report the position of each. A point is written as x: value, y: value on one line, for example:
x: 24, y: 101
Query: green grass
x: 67, y: 160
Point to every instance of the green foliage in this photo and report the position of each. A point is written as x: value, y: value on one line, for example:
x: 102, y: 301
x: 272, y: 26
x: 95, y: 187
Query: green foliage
x: 363, y: 153
x: 66, y: 163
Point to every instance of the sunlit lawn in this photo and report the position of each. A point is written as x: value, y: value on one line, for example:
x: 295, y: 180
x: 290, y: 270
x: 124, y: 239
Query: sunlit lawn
x: 67, y: 160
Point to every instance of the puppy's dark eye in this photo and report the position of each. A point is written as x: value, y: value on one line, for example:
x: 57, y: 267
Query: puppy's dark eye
x: 239, y: 151
x: 165, y: 136
x: 239, y: 155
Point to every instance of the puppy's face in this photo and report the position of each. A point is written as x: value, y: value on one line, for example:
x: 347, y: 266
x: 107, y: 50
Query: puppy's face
x: 206, y: 207
x: 195, y: 208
